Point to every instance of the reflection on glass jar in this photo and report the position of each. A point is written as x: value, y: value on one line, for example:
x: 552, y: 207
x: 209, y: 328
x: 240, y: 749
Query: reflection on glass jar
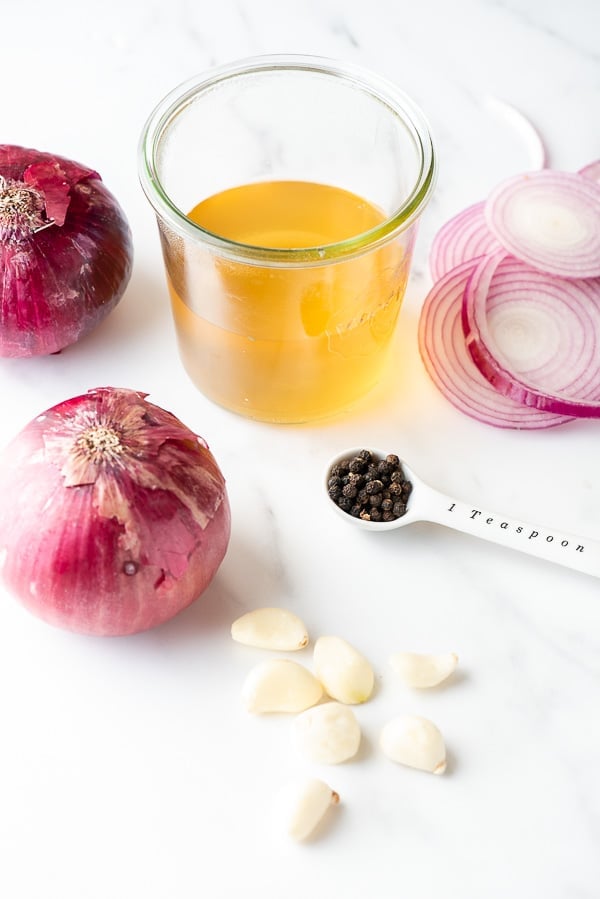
x: 286, y: 290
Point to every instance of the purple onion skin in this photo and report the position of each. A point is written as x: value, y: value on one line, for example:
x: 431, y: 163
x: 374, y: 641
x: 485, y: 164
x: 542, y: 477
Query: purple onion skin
x: 59, y: 283
x: 118, y: 546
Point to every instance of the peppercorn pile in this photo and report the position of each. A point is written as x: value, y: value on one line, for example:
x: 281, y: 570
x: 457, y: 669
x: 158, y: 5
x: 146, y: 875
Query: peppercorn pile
x: 370, y: 488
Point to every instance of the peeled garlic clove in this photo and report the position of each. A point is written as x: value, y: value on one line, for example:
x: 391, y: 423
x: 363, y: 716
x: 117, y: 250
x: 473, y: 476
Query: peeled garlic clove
x: 302, y: 805
x: 327, y: 734
x: 345, y: 674
x: 422, y: 669
x: 414, y: 741
x: 280, y: 685
x: 270, y: 628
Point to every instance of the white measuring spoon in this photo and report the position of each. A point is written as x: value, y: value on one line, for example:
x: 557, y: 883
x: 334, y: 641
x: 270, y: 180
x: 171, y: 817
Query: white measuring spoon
x: 427, y: 504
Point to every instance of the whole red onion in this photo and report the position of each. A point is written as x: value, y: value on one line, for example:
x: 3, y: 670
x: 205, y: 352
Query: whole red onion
x: 65, y: 252
x: 113, y: 515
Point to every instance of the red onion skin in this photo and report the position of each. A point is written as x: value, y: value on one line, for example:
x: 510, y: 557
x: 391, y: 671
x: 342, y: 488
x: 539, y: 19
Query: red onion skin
x: 65, y: 551
x: 60, y: 282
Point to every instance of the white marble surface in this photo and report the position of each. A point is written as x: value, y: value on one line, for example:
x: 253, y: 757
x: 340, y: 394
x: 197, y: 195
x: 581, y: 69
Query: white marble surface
x: 128, y: 767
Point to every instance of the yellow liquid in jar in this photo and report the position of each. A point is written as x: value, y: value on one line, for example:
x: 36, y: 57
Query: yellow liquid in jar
x: 277, y: 343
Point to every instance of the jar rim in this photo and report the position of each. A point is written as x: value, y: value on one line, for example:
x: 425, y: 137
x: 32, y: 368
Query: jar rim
x: 383, y: 90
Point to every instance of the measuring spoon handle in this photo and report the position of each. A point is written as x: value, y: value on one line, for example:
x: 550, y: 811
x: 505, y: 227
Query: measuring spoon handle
x: 579, y: 553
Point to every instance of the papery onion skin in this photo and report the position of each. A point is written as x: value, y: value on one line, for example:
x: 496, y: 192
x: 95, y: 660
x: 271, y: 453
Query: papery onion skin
x: 110, y: 535
x: 59, y: 281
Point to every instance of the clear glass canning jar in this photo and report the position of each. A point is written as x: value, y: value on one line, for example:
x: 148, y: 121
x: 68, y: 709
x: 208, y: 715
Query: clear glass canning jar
x: 287, y: 191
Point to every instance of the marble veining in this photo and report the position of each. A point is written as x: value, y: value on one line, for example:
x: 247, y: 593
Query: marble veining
x: 128, y: 767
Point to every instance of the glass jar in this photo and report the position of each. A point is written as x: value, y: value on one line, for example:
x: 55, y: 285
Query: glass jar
x: 287, y: 191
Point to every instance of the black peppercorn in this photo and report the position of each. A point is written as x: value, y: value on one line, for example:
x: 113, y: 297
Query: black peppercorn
x: 384, y: 469
x: 357, y: 480
x: 357, y: 465
x: 340, y: 468
x: 370, y: 488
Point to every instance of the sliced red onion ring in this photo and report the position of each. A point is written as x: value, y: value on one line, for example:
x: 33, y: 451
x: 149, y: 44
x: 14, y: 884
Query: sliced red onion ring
x: 535, y: 337
x: 451, y: 368
x: 466, y: 236
x: 550, y: 220
x: 592, y: 170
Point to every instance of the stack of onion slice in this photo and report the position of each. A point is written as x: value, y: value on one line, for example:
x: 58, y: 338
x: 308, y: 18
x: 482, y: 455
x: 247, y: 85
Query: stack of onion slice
x: 510, y: 331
